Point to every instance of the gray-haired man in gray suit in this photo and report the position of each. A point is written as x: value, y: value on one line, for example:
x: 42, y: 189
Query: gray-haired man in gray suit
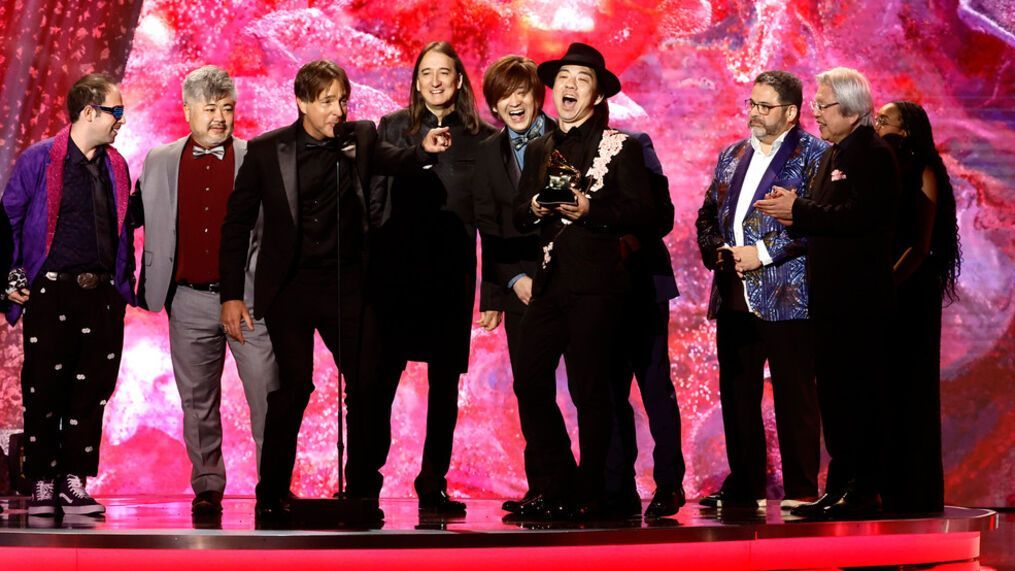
x: 183, y: 192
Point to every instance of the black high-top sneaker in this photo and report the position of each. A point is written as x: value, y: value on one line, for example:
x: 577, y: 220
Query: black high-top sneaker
x: 74, y: 498
x: 42, y: 502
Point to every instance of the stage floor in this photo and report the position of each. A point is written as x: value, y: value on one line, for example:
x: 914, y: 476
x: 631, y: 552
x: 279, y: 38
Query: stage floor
x: 160, y: 531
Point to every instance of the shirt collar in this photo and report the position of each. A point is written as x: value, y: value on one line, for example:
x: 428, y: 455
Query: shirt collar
x: 537, y: 127
x: 580, y: 132
x: 452, y: 118
x: 756, y: 144
x: 75, y: 155
x: 191, y: 143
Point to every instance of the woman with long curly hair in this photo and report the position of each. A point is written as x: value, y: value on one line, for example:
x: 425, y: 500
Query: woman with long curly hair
x: 928, y: 262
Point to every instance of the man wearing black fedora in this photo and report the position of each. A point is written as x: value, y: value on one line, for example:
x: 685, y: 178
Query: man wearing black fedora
x: 584, y: 186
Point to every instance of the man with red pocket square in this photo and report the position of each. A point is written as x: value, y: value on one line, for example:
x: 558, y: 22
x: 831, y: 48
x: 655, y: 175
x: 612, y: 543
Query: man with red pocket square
x: 849, y: 223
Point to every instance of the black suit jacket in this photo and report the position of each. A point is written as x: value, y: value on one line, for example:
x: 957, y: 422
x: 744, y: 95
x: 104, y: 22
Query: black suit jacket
x: 586, y: 255
x: 268, y: 179
x: 507, y: 252
x: 850, y: 222
x: 423, y: 267
x: 650, y: 265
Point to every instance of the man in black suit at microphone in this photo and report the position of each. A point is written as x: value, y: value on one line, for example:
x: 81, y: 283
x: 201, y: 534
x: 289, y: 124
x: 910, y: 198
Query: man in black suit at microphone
x: 309, y: 178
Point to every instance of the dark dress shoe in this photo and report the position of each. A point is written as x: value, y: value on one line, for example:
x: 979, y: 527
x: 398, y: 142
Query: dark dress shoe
x: 544, y: 508
x: 853, y: 505
x: 726, y: 500
x: 514, y: 506
x: 272, y: 510
x: 711, y: 500
x: 440, y: 503
x: 813, y: 509
x: 665, y: 503
x: 208, y: 502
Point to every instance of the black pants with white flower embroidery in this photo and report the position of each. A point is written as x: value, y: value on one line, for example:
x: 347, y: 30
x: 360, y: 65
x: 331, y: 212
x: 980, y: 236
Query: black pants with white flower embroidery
x: 73, y: 338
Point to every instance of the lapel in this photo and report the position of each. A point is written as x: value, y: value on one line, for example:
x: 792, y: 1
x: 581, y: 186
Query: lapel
x: 359, y: 159
x: 736, y: 184
x: 174, y: 153
x: 239, y: 152
x: 507, y: 154
x: 822, y: 180
x: 775, y: 167
x: 286, y: 150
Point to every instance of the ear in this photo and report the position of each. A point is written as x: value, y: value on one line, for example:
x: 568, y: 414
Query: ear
x: 418, y: 88
x: 302, y: 105
x: 792, y: 113
x: 186, y: 112
x: 460, y: 79
x: 599, y: 99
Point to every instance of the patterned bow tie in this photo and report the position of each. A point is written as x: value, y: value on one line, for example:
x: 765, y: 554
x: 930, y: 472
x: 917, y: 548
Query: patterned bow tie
x: 219, y: 152
x: 520, y: 142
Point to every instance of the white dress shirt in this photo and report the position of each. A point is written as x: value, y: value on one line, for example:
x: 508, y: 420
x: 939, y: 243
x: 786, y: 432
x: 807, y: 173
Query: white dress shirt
x: 755, y: 171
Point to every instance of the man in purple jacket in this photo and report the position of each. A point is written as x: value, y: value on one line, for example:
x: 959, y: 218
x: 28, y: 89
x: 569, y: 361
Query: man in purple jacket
x: 71, y: 276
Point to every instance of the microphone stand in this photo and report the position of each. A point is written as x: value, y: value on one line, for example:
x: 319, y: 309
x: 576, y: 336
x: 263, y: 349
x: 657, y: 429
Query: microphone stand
x: 339, y: 508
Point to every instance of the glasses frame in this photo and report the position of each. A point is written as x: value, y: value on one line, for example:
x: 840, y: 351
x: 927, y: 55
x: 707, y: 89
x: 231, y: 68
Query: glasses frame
x: 820, y: 107
x: 116, y: 112
x: 763, y: 108
x: 882, y: 121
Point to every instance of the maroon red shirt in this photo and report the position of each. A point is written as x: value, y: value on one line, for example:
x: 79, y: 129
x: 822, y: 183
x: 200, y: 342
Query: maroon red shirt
x: 204, y: 186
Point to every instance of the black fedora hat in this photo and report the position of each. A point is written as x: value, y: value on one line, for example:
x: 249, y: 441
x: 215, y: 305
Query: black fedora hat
x: 588, y: 56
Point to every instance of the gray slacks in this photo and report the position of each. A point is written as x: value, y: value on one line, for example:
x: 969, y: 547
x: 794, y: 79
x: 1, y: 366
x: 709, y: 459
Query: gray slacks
x: 197, y: 346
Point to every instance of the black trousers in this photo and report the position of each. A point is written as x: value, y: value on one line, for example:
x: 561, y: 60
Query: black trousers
x: 73, y: 340
x: 535, y: 475
x: 647, y: 358
x: 385, y: 371
x: 583, y: 328
x: 914, y: 474
x: 852, y: 378
x: 310, y: 301
x: 744, y: 344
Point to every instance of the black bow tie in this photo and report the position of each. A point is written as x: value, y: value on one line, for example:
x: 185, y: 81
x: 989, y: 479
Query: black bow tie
x: 218, y: 152
x: 325, y: 145
x: 520, y: 141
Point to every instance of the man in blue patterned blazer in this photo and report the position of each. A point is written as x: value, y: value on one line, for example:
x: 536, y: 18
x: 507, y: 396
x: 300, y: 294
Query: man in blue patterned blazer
x: 759, y: 297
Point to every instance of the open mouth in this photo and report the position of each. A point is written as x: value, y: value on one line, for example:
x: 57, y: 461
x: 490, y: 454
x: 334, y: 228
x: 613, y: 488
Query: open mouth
x: 569, y: 102
x: 518, y: 114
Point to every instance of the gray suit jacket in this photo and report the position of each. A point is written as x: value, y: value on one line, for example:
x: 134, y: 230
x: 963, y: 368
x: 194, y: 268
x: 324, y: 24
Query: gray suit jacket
x: 158, y: 192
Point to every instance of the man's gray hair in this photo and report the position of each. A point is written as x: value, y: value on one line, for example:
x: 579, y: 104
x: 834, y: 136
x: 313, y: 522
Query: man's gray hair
x: 208, y: 83
x: 852, y: 91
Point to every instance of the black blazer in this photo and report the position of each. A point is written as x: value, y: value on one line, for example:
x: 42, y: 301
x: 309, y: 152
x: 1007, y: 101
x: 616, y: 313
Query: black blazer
x: 507, y: 252
x: 850, y: 222
x: 423, y: 245
x: 586, y: 256
x: 650, y: 265
x: 268, y: 179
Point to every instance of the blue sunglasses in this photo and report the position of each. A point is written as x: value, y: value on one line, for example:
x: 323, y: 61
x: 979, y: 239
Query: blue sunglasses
x: 116, y: 112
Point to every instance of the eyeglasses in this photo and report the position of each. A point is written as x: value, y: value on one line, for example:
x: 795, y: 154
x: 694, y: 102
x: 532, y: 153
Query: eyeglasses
x: 882, y: 121
x: 763, y: 108
x: 815, y: 106
x: 116, y: 112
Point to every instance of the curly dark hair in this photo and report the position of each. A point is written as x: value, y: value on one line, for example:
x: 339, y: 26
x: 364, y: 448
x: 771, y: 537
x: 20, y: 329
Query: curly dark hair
x: 945, y: 247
